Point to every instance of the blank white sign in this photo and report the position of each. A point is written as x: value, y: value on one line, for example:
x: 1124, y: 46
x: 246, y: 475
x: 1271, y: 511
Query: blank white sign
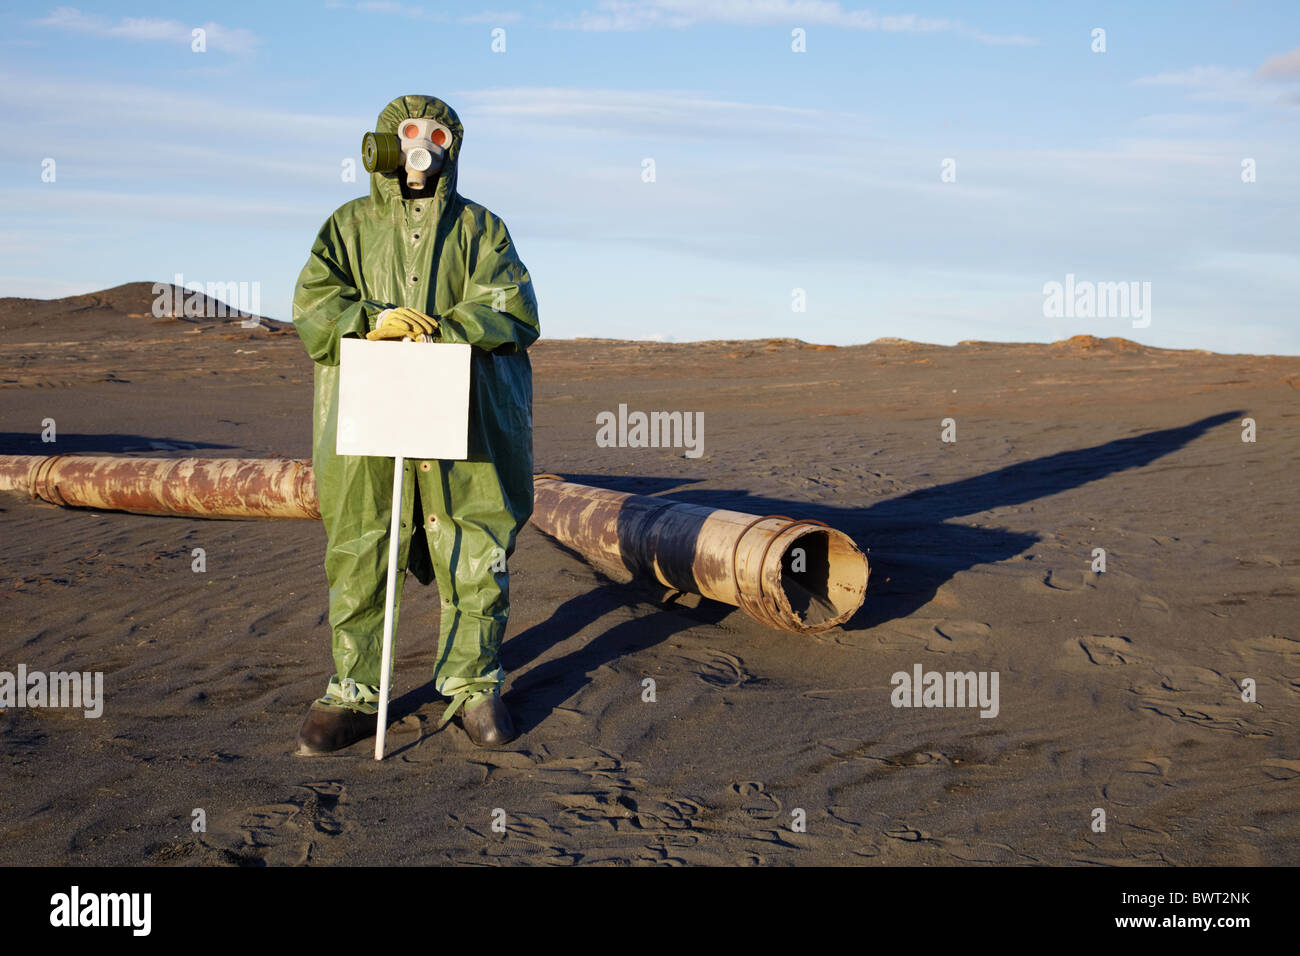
x: 403, y: 398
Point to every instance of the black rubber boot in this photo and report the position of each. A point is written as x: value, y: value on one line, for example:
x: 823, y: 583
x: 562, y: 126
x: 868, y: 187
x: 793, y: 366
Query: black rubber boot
x: 328, y: 729
x: 488, y: 723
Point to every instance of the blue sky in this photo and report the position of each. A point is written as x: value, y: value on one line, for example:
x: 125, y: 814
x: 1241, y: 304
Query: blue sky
x: 774, y: 170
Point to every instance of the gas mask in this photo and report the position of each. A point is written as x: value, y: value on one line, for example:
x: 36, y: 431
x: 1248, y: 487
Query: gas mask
x: 420, y: 145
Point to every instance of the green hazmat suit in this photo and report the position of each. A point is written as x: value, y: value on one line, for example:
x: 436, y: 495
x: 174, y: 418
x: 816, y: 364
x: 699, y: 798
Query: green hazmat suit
x: 451, y: 258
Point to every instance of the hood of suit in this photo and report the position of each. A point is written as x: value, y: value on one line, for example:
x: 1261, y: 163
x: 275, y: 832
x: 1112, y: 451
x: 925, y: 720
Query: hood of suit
x: 386, y: 187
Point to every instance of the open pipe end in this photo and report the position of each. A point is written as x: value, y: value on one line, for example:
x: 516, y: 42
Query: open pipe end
x: 823, y: 581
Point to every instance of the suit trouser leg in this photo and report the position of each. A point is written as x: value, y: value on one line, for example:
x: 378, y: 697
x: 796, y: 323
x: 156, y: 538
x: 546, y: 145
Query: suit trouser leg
x: 471, y: 535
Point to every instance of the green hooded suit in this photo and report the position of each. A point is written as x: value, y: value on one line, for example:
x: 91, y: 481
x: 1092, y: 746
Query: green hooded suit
x: 453, y: 259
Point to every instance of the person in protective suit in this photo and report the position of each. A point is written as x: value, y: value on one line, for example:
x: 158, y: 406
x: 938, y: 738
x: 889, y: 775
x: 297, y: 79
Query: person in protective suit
x: 415, y: 259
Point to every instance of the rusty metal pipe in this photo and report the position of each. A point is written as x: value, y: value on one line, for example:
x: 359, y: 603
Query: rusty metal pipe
x: 798, y: 576
x: 195, y: 487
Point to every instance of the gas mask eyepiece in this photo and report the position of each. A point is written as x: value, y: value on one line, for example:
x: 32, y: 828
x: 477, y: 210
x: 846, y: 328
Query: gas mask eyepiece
x: 420, y: 145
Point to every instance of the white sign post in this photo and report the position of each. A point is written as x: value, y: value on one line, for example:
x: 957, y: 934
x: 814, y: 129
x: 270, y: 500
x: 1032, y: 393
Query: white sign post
x: 401, y: 403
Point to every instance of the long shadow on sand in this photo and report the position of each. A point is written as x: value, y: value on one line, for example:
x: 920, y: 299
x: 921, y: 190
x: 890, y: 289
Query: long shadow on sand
x: 536, y: 693
x: 549, y: 685
x: 913, y: 549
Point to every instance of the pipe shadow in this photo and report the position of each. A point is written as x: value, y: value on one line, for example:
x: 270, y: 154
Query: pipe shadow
x: 912, y: 537
x: 537, y: 692
x: 921, y: 551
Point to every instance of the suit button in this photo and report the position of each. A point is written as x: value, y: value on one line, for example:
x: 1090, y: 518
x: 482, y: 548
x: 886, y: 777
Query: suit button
x: 425, y: 466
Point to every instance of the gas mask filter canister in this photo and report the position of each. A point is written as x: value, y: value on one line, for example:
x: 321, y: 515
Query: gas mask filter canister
x: 420, y: 144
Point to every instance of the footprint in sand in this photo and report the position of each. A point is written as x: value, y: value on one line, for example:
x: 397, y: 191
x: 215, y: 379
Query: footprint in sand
x: 1138, y: 783
x: 1149, y: 602
x: 600, y: 771
x: 1277, y: 768
x: 1200, y: 697
x: 601, y: 790
x: 942, y: 636
x: 622, y: 810
x: 908, y: 834
x: 756, y: 801
x: 720, y: 669
x: 986, y: 853
x: 683, y: 812
x: 1061, y: 581
x: 527, y: 837
x: 612, y: 810
x: 287, y: 833
x: 1101, y: 650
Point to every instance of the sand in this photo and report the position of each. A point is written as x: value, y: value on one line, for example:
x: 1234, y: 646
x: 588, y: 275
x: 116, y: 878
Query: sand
x: 1120, y: 691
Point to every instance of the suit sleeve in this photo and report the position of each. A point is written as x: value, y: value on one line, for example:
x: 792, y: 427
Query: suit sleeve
x: 498, y: 310
x: 326, y: 302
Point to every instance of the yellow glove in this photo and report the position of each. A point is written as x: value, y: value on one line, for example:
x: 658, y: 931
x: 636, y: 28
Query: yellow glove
x: 403, y: 324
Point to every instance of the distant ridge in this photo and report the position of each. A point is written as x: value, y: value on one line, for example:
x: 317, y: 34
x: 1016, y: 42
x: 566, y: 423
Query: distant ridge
x: 134, y: 300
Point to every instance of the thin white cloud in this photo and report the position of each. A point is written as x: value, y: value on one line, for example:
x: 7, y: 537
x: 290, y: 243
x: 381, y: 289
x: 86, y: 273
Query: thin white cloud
x: 398, y: 8
x: 627, y: 15
x: 494, y: 17
x: 1184, y: 123
x: 113, y: 106
x: 381, y: 6
x: 675, y: 14
x: 1197, y: 77
x: 31, y: 105
x: 1217, y: 84
x: 152, y: 29
x: 189, y: 208
x: 669, y: 115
